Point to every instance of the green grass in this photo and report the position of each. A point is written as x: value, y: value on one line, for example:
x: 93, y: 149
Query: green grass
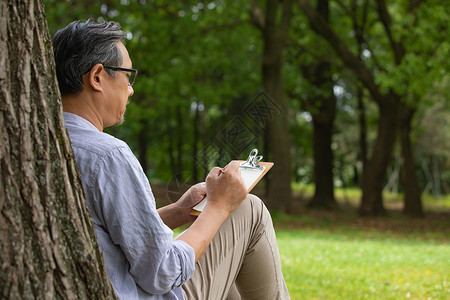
x: 353, y: 264
x: 338, y: 255
x: 352, y: 196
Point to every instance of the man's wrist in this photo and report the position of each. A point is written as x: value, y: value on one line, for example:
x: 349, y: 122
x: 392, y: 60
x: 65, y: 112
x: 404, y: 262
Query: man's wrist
x: 217, y: 207
x: 181, y: 213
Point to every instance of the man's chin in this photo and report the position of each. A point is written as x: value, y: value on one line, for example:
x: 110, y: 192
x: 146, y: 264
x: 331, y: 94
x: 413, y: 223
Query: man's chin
x: 121, y: 120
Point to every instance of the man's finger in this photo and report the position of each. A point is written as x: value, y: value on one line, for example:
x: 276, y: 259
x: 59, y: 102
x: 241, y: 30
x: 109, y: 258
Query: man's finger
x: 215, y: 171
x: 233, y: 166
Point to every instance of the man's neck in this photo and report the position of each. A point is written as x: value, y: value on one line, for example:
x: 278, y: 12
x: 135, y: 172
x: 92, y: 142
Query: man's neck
x: 82, y: 106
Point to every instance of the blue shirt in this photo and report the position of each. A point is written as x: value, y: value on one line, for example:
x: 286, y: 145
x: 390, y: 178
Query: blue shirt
x: 142, y: 258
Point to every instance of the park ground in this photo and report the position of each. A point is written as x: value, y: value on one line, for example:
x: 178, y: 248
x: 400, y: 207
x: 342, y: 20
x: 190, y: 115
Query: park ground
x: 340, y: 255
x: 434, y: 226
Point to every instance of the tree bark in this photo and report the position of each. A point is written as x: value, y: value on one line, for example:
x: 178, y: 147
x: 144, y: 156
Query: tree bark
x: 362, y: 132
x: 323, y: 161
x: 48, y: 245
x: 274, y: 36
x: 323, y: 110
x: 374, y: 174
x: 412, y: 198
x: 412, y: 201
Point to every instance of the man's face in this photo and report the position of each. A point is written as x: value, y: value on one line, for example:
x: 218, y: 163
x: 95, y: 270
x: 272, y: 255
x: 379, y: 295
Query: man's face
x: 119, y: 91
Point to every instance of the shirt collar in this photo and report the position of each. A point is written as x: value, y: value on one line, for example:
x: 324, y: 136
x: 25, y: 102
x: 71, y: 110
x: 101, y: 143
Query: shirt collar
x: 73, y: 119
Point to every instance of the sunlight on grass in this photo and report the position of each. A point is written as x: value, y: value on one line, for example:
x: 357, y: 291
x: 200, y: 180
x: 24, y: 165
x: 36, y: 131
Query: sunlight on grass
x: 352, y: 196
x: 319, y: 265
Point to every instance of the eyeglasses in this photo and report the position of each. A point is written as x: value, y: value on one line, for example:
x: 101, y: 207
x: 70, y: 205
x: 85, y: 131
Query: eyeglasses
x: 131, y: 78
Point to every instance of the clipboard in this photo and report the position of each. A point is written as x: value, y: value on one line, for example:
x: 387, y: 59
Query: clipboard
x: 252, y: 170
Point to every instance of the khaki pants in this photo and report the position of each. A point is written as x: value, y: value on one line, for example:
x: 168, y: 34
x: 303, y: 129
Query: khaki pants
x: 242, y: 261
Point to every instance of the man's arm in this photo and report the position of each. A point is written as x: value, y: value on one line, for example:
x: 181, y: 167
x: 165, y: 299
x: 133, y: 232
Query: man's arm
x: 176, y: 214
x: 171, y: 215
x: 128, y: 216
x: 226, y: 191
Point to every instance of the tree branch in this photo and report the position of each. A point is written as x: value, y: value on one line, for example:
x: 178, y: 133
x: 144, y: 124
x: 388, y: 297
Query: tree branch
x: 359, y: 27
x: 321, y: 27
x: 386, y: 20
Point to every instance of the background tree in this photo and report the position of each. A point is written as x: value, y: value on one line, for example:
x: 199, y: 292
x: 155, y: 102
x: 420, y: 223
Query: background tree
x: 200, y: 65
x: 390, y: 95
x: 48, y: 244
x: 312, y: 58
x: 274, y: 24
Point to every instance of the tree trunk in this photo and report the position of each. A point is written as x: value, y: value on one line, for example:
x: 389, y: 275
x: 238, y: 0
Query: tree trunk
x: 362, y: 132
x: 274, y: 35
x: 408, y: 177
x: 374, y: 175
x: 323, y: 110
x: 323, y: 164
x: 375, y: 169
x: 48, y: 245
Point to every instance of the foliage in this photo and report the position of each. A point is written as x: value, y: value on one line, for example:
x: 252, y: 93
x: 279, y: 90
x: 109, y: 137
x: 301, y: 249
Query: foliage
x: 189, y: 55
x: 195, y: 58
x: 200, y: 65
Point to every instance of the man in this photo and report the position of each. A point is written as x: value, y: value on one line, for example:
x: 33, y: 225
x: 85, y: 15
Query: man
x: 228, y: 251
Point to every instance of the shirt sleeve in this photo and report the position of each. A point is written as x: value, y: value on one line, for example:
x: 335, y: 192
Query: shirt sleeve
x: 126, y: 206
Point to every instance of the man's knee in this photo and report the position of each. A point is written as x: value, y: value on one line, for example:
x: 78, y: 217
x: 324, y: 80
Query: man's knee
x: 253, y: 206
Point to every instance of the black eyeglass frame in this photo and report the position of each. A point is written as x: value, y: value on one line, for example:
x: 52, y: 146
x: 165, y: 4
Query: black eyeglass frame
x: 126, y: 70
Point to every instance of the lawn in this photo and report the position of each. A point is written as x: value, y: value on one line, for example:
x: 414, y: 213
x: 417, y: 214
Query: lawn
x: 337, y: 255
x: 349, y: 265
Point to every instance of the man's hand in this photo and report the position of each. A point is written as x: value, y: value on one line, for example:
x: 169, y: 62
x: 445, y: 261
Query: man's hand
x: 179, y: 213
x: 225, y: 190
x: 225, y: 187
x: 191, y: 198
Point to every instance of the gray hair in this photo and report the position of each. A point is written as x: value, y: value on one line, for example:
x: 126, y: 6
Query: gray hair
x: 81, y: 45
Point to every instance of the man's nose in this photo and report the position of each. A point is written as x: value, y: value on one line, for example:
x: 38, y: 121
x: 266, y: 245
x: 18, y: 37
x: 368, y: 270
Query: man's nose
x: 130, y: 91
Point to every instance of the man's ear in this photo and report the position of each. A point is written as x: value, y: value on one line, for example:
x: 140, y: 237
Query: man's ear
x: 96, y: 76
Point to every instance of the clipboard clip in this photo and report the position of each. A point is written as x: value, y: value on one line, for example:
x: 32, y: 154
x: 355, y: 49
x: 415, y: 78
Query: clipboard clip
x: 252, y: 161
